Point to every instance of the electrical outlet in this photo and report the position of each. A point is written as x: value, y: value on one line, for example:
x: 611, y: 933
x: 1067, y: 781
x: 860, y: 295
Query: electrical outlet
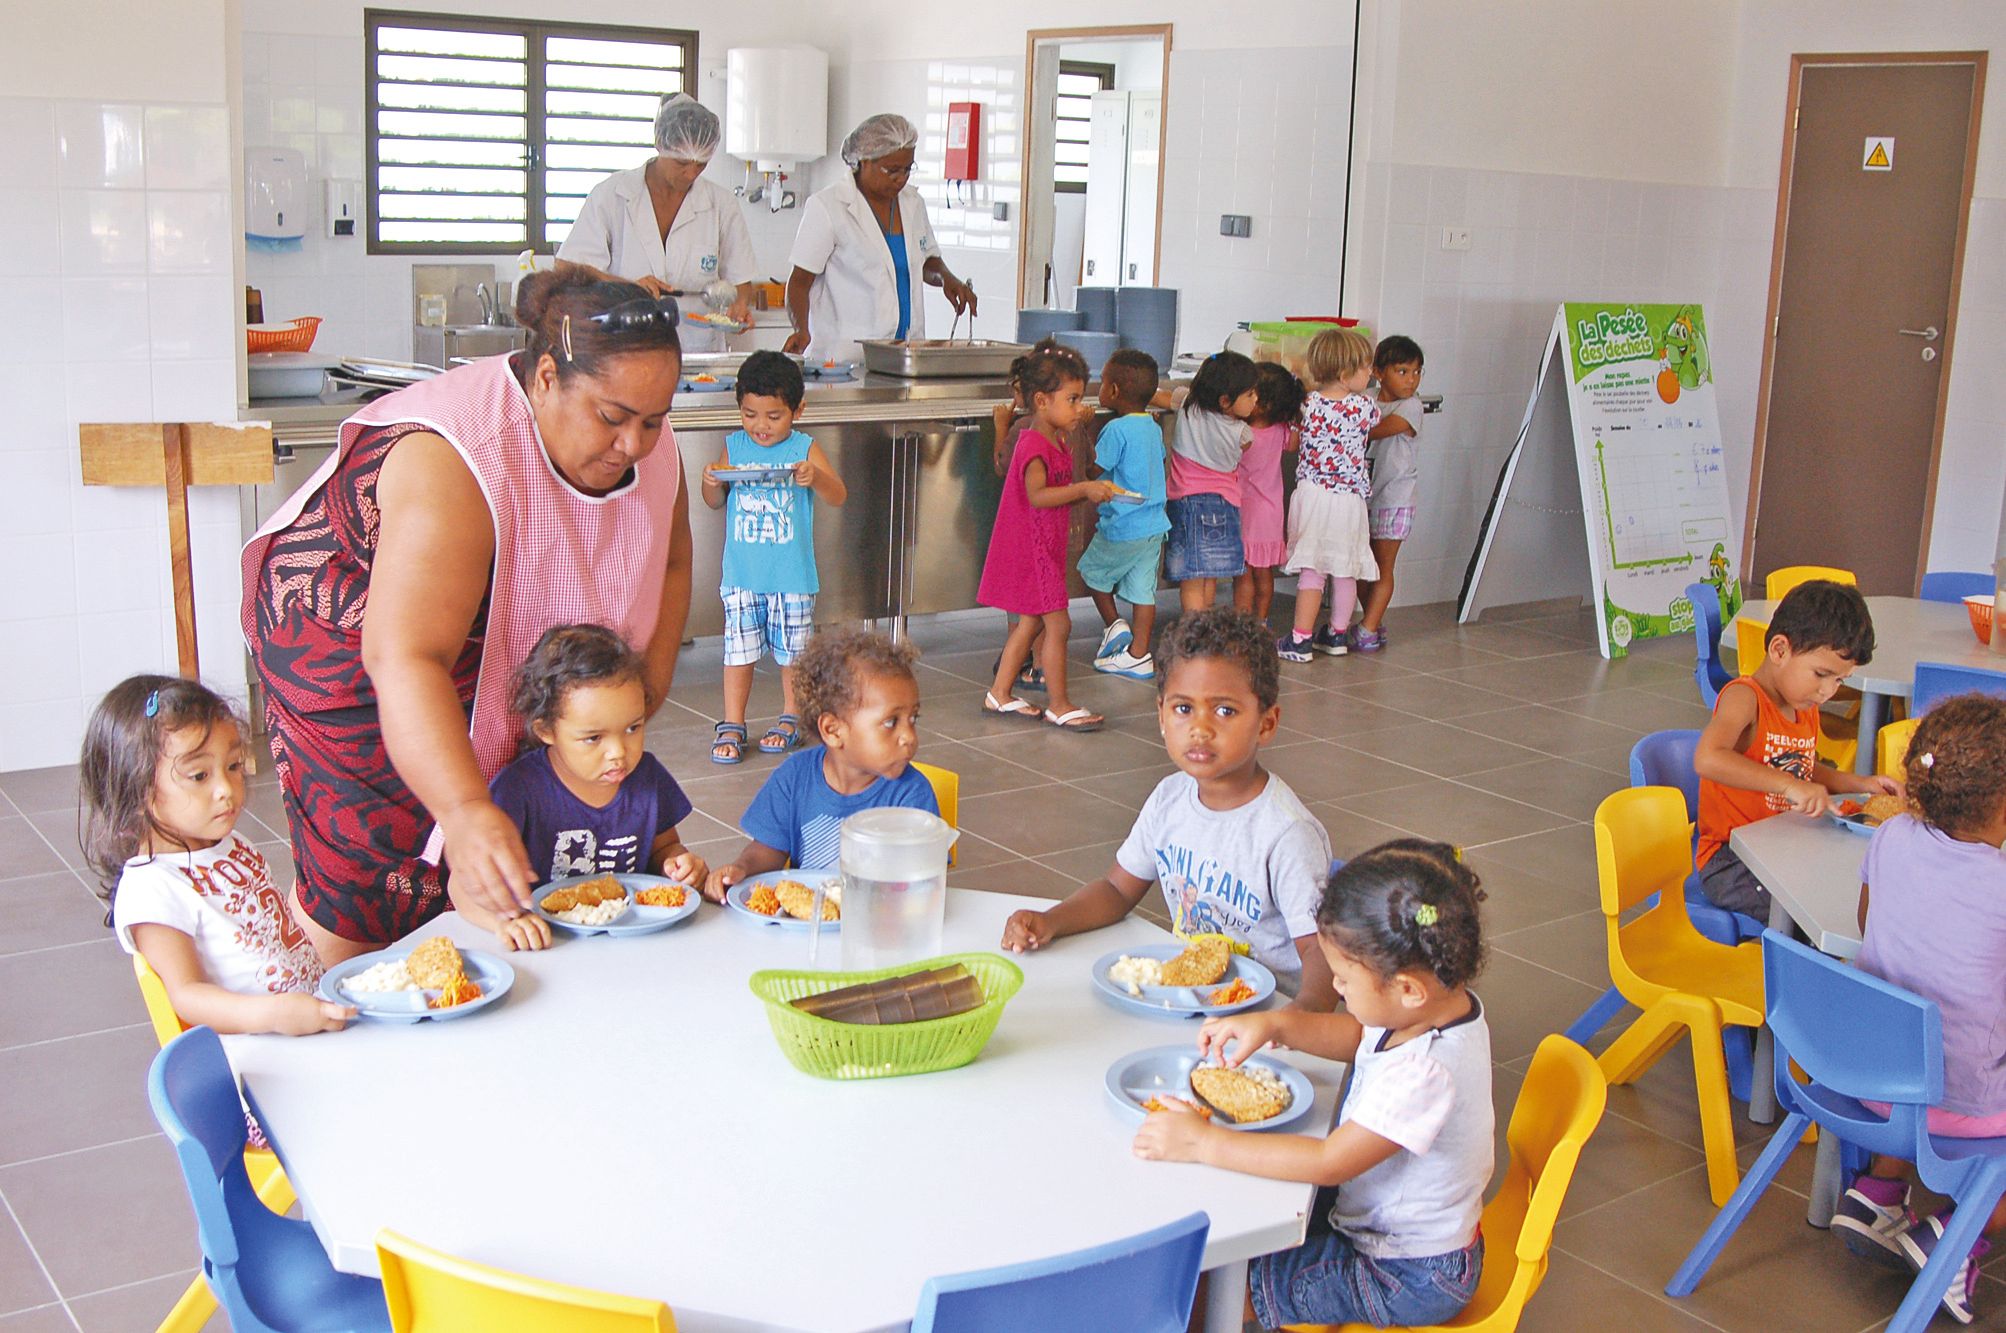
x: 1236, y: 224
x: 1000, y: 211
x: 1455, y: 238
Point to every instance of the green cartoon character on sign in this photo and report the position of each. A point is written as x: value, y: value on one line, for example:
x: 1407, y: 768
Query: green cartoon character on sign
x: 1685, y: 352
x: 1717, y: 575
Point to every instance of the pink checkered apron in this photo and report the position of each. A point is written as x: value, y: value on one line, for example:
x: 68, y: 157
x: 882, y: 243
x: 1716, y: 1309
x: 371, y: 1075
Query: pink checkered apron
x: 561, y: 557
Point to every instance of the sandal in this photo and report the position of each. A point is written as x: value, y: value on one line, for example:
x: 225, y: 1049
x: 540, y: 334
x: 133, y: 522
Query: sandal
x: 1013, y: 706
x: 782, y: 736
x: 1031, y: 677
x: 1079, y: 719
x: 728, y: 747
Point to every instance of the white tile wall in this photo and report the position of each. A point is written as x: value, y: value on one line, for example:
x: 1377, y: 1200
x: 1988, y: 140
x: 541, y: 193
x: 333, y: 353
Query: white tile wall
x: 115, y: 236
x: 1536, y: 240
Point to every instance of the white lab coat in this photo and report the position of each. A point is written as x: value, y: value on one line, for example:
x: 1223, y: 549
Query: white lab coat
x: 616, y: 231
x: 856, y: 293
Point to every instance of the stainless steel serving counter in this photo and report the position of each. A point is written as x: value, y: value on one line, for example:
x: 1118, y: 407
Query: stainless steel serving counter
x: 916, y: 455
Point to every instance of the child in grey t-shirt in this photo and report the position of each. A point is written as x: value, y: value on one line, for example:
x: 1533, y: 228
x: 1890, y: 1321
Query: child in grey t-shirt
x: 1233, y: 849
x: 1396, y: 468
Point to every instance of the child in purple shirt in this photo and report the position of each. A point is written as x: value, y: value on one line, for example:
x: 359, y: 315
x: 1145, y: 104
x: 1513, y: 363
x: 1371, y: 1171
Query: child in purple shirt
x: 1937, y: 881
x: 588, y: 798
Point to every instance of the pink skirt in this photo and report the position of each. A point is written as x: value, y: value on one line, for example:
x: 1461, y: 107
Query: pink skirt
x: 1262, y: 532
x: 1952, y: 1124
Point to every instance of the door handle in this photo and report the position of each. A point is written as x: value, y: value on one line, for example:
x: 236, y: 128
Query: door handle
x: 1928, y: 335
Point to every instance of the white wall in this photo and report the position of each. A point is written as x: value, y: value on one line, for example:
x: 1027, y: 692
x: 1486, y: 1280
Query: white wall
x: 116, y: 250
x: 1138, y: 65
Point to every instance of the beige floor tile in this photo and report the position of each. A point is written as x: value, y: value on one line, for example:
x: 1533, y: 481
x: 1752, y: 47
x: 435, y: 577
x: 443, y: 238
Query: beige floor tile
x: 1560, y: 785
x: 1564, y: 856
x: 973, y: 851
x: 1439, y: 749
x: 1576, y: 945
x: 41, y: 910
x: 1026, y: 877
x: 1514, y: 900
x: 1340, y: 715
x: 1061, y: 755
x: 1129, y: 789
x: 1452, y: 813
x: 65, y: 991
x: 24, y: 850
x: 63, y: 1203
x: 60, y: 830
x: 1663, y: 1098
x: 1044, y: 819
x: 42, y: 1319
x: 22, y: 1284
x: 1776, y: 1273
x: 1427, y: 696
x: 1565, y: 676
x: 1576, y: 1295
x: 1318, y: 771
x: 78, y: 1092
x: 1523, y: 1003
x: 33, y: 790
x: 1640, y: 709
x: 138, y: 1308
x: 1350, y: 833
x: 1548, y: 730
x: 981, y: 772
x: 1084, y: 865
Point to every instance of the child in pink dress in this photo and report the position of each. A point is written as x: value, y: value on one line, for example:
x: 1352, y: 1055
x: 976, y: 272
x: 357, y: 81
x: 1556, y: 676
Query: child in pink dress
x: 1278, y: 405
x: 1025, y: 570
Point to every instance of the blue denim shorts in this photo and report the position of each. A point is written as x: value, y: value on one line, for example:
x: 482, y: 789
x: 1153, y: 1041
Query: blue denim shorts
x: 1204, y: 539
x: 1327, y: 1280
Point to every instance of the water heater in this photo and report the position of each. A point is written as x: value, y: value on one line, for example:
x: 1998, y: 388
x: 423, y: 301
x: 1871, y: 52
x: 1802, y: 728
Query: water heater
x: 776, y: 105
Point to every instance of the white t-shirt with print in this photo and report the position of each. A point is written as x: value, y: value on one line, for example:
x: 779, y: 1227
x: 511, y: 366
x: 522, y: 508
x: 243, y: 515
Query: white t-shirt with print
x: 223, y: 898
x: 1255, y: 872
x: 1432, y: 1096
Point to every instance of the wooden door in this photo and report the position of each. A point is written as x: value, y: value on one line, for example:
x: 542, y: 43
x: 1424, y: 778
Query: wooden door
x: 1876, y: 188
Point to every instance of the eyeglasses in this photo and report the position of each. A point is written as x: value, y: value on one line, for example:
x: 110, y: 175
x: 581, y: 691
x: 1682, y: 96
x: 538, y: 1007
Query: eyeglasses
x: 647, y: 312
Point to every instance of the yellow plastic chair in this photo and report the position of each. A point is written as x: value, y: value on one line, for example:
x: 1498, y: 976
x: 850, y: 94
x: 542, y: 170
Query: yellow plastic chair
x: 1891, y: 748
x: 1780, y: 581
x: 1680, y: 979
x: 268, y: 1178
x: 1558, y: 1108
x: 946, y: 786
x: 432, y: 1292
x: 1838, y: 733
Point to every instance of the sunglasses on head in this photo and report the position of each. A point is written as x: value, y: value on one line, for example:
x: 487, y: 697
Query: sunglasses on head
x: 646, y: 312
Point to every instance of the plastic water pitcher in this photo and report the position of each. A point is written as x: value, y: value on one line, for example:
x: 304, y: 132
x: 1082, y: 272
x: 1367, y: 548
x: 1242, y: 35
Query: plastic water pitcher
x: 894, y: 864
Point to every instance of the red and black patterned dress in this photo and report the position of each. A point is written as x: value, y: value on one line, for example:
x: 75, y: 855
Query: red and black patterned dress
x: 357, y: 830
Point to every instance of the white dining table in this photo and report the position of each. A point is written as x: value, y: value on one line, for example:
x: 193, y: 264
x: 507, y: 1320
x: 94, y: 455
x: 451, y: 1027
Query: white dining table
x: 624, y: 1120
x: 1907, y: 630
x: 1811, y: 867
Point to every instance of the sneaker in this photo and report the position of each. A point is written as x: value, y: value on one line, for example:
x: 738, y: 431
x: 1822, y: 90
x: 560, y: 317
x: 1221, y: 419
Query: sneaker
x: 1127, y: 664
x: 1919, y: 1242
x: 1114, y: 639
x: 1293, y: 647
x: 1363, y: 640
x: 1329, y: 642
x: 1871, y: 1230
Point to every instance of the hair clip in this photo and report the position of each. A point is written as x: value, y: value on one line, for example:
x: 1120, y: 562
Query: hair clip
x: 1927, y: 761
x: 564, y: 335
x: 1426, y: 915
x: 153, y: 703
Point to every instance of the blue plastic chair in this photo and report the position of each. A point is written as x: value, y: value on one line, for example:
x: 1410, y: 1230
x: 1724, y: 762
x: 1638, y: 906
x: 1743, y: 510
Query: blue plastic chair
x: 1859, y: 1038
x: 1665, y: 759
x: 1709, y: 672
x: 1940, y: 680
x: 1143, y: 1284
x: 269, y: 1272
x: 1952, y: 585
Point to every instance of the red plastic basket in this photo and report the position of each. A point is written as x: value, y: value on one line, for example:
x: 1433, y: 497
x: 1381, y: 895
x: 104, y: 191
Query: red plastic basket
x: 296, y: 336
x: 1979, y: 608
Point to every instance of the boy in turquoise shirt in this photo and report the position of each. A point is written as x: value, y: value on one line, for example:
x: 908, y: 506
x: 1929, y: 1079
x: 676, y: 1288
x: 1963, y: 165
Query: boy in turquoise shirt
x: 769, y: 581
x: 1126, y: 552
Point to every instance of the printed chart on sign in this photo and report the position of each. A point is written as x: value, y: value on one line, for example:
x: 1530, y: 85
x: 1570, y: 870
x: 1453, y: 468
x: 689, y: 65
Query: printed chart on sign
x: 1658, y: 484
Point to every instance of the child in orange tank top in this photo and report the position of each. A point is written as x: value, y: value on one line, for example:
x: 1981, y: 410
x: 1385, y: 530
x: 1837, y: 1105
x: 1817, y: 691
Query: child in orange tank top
x: 1759, y: 754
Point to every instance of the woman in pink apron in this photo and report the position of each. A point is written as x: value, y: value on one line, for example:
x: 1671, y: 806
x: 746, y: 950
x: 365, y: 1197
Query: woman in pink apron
x: 389, y: 602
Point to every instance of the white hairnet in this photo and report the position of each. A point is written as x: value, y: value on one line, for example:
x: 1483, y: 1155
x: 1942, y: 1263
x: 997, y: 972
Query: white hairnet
x: 878, y: 136
x: 686, y: 129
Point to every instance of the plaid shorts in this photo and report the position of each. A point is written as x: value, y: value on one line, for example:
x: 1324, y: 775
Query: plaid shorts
x: 756, y: 621
x: 1392, y: 524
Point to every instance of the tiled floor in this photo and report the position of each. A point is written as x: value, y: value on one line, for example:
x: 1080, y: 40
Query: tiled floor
x: 1501, y: 737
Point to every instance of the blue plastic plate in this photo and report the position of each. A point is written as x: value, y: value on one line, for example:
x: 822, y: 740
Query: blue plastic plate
x: 638, y: 920
x: 734, y: 898
x: 1181, y: 1001
x: 491, y: 974
x: 1134, y: 1079
x: 723, y: 384
x: 1855, y: 823
x: 1127, y: 498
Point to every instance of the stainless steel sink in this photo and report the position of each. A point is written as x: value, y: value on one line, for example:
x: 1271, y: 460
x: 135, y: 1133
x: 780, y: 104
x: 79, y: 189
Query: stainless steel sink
x: 441, y: 345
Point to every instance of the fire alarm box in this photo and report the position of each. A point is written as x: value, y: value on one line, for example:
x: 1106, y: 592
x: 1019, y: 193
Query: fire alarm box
x: 964, y: 141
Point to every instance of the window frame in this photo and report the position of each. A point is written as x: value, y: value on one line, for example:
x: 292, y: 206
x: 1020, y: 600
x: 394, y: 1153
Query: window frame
x: 536, y: 33
x: 1094, y: 69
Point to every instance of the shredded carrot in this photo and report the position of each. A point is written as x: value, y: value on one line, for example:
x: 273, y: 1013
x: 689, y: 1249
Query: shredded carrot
x: 460, y: 990
x: 1232, y: 993
x: 763, y: 900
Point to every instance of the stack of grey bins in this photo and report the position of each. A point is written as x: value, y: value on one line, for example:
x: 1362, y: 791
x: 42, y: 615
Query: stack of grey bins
x: 1106, y: 318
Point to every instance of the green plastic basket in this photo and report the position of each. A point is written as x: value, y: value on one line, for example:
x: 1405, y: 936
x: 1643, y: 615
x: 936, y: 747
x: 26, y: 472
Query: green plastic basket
x: 828, y: 1049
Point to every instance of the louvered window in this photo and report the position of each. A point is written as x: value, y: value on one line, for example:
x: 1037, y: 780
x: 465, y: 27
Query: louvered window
x: 485, y: 135
x: 1073, y: 122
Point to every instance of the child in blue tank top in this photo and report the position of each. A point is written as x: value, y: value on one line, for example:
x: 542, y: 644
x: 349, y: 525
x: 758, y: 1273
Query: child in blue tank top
x: 769, y: 582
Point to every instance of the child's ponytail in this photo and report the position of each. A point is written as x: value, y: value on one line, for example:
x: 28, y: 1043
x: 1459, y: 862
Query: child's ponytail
x: 1406, y: 905
x: 1956, y: 769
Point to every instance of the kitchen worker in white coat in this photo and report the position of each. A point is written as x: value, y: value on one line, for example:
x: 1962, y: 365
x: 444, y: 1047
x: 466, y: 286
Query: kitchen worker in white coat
x: 663, y: 226
x: 863, y: 250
